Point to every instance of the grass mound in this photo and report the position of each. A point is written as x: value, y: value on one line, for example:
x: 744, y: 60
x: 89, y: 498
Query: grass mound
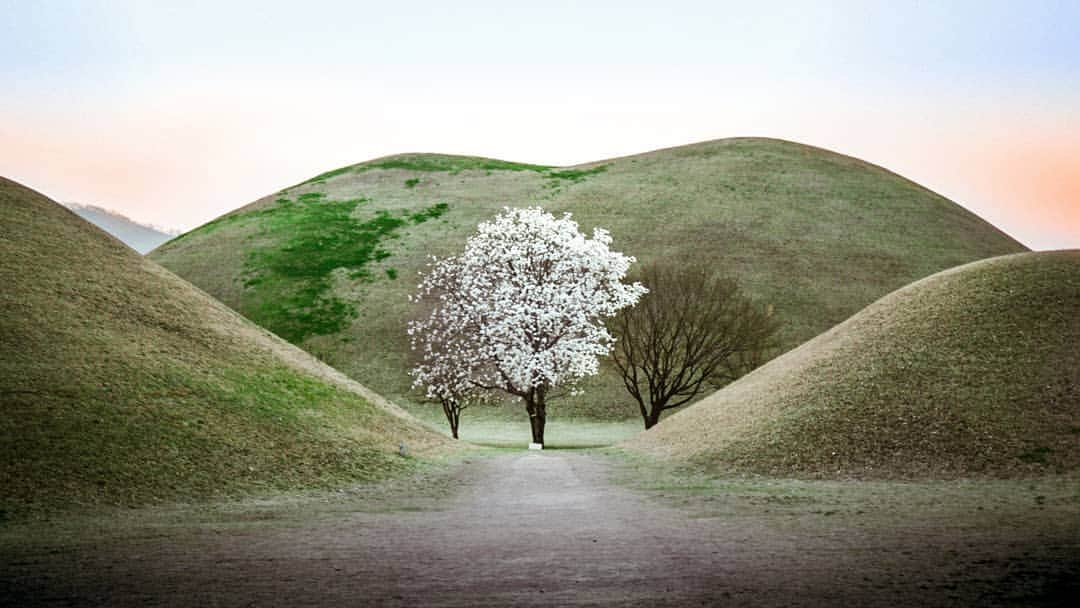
x: 817, y: 234
x: 121, y: 384
x: 973, y: 371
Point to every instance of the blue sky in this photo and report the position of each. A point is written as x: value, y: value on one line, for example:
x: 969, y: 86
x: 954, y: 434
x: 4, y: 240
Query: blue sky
x: 177, y: 112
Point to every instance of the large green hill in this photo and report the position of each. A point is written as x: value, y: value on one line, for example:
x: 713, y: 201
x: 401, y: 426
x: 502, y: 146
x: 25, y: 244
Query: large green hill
x: 973, y: 371
x: 328, y: 264
x: 121, y: 384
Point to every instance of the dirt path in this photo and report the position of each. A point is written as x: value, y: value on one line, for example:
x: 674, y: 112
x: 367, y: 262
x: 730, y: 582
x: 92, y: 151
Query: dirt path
x: 544, y: 529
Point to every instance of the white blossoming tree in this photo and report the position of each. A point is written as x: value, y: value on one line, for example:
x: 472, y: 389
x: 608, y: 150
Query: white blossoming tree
x: 521, y: 310
x: 441, y: 370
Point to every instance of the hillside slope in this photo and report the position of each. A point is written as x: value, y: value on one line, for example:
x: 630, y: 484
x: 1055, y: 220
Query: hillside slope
x: 122, y: 384
x: 973, y: 371
x: 817, y: 234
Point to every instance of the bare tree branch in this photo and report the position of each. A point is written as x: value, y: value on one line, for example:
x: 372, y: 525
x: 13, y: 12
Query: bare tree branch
x: 693, y: 329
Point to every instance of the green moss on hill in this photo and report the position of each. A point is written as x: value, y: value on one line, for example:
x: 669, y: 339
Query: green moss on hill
x: 574, y: 175
x: 289, y: 282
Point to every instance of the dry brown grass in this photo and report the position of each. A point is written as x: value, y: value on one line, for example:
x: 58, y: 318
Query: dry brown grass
x: 973, y: 371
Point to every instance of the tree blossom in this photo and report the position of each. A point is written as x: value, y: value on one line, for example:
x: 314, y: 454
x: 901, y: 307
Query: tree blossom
x: 521, y: 310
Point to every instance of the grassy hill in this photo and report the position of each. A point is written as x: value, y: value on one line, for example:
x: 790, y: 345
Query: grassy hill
x: 121, y: 384
x: 973, y: 371
x: 328, y: 263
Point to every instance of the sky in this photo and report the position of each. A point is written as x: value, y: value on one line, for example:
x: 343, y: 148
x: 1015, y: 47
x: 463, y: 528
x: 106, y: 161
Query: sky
x: 176, y: 112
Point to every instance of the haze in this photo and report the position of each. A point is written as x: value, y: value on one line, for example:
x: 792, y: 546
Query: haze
x: 176, y: 114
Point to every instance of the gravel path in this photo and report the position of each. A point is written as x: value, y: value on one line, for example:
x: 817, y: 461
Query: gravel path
x: 526, y: 529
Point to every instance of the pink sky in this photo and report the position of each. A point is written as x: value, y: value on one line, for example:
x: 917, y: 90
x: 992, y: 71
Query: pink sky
x: 176, y: 115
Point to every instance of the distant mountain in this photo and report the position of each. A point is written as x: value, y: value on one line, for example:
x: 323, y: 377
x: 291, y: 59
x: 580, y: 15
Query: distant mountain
x: 140, y: 237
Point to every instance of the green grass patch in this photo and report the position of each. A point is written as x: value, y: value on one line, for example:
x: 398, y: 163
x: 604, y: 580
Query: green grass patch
x: 313, y: 237
x: 433, y: 212
x: 574, y: 175
x: 412, y: 182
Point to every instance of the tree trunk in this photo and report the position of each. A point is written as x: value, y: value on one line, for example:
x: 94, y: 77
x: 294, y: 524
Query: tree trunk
x: 654, y: 415
x: 536, y: 407
x: 453, y: 416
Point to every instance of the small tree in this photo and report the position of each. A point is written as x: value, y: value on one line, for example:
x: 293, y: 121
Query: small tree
x: 521, y: 310
x: 445, y: 383
x: 441, y: 371
x: 692, y: 329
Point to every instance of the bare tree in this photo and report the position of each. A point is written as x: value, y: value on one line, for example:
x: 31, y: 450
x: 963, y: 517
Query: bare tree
x: 693, y: 330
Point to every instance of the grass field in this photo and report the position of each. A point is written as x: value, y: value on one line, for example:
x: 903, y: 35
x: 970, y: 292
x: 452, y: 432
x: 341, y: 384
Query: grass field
x: 817, y: 234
